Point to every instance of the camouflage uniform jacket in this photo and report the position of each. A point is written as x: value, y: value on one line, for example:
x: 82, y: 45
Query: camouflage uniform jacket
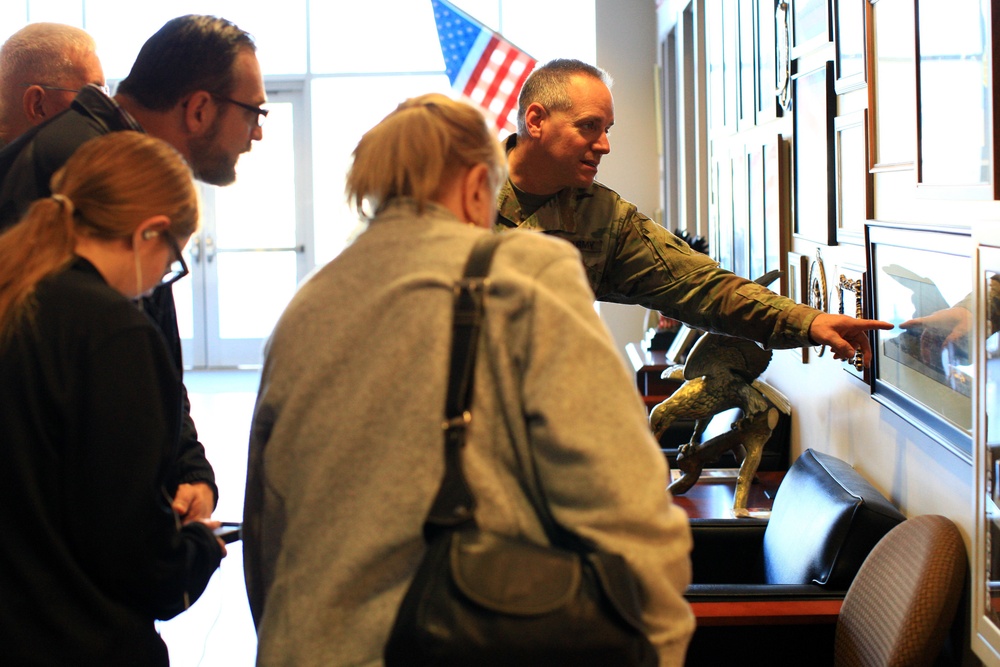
x: 631, y: 259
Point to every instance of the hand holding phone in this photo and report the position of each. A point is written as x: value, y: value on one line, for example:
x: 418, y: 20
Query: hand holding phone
x: 229, y: 531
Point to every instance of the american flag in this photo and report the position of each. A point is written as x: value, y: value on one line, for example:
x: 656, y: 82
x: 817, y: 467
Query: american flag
x: 482, y: 66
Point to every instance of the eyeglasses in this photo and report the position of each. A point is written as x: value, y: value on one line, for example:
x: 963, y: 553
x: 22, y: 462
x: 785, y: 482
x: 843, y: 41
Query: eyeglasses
x: 178, y: 268
x: 104, y: 89
x: 261, y: 114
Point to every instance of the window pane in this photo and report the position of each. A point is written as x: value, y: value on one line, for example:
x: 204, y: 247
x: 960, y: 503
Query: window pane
x: 552, y: 29
x: 258, y: 210
x: 385, y: 36
x: 254, y: 288
x: 120, y: 35
x: 343, y: 109
x: 12, y: 18
x: 56, y: 11
x: 184, y: 300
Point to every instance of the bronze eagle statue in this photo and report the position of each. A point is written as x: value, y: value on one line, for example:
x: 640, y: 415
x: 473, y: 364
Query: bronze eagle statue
x: 721, y: 373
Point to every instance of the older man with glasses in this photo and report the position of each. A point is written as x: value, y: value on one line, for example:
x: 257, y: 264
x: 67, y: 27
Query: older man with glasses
x: 42, y: 68
x: 196, y: 84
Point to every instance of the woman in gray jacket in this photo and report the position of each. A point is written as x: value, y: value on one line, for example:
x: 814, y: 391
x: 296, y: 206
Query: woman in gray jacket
x: 346, y: 448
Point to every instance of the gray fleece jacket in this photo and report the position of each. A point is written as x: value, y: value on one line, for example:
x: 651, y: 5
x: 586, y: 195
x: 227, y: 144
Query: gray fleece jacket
x: 346, y: 449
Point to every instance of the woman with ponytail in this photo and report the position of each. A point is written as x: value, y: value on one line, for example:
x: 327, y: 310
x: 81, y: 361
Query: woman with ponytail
x: 90, y: 412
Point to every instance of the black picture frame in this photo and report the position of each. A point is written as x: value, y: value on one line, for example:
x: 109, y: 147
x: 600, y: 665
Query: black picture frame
x: 957, y: 128
x: 815, y: 187
x: 915, y: 272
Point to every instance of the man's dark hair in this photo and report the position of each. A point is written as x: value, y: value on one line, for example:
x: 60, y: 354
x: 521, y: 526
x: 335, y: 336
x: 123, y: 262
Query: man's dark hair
x: 188, y: 53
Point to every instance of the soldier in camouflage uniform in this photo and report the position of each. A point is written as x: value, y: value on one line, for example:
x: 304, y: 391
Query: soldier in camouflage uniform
x: 565, y: 111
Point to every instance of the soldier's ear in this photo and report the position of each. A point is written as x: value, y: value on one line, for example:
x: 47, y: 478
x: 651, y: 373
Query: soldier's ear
x: 534, y: 117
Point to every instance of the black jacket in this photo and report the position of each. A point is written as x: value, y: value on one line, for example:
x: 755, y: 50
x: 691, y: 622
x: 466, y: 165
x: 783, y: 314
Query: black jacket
x: 26, y: 168
x: 90, y: 409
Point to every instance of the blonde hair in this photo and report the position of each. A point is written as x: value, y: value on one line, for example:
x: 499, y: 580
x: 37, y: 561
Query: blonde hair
x: 417, y: 150
x: 107, y: 188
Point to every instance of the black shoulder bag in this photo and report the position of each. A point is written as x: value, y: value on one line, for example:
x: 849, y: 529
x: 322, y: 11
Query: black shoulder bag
x: 482, y: 598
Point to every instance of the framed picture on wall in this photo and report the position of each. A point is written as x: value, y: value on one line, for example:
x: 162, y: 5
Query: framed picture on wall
x: 768, y: 107
x: 724, y: 240
x: 741, y: 215
x: 921, y: 281
x: 810, y: 25
x: 956, y: 119
x: 849, y: 40
x: 796, y: 285
x: 748, y: 65
x: 731, y: 63
x: 767, y: 232
x: 815, y: 205
x: 714, y: 55
x: 892, y: 93
x: 854, y: 181
x: 850, y: 298
x: 755, y: 211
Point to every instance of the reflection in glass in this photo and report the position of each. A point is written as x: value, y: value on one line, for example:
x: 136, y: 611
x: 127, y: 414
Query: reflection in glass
x: 992, y: 458
x: 926, y: 294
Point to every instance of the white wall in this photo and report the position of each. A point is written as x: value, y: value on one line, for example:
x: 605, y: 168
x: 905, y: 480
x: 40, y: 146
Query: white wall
x: 626, y: 48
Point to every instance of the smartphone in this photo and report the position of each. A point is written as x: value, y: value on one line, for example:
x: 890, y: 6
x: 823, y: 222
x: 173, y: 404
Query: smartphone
x: 229, y: 531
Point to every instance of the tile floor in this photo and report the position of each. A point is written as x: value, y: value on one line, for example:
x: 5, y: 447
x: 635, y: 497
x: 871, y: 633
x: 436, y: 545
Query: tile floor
x: 217, y: 630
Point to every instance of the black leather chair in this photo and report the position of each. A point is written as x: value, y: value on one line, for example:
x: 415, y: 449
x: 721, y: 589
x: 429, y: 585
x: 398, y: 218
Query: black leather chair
x: 825, y: 519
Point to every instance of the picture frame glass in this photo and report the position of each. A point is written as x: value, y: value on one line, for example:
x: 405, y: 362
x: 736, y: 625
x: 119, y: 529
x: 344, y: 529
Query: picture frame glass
x: 850, y: 38
x: 954, y: 105
x: 813, y: 169
x: 986, y: 538
x: 894, y: 84
x: 852, y: 177
x: 921, y: 283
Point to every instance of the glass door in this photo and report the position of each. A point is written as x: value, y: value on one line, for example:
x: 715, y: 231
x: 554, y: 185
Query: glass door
x: 254, y: 247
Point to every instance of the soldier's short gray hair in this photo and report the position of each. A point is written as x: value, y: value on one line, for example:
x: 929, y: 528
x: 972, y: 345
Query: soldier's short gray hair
x: 546, y: 85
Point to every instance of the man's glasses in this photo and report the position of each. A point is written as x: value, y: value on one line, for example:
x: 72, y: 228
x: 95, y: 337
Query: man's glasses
x: 178, y: 268
x: 260, y: 114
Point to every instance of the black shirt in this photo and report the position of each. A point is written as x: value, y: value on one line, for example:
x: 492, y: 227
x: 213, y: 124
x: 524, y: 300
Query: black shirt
x: 90, y: 410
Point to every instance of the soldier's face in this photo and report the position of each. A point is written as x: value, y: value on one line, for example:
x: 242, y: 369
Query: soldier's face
x: 577, y: 139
